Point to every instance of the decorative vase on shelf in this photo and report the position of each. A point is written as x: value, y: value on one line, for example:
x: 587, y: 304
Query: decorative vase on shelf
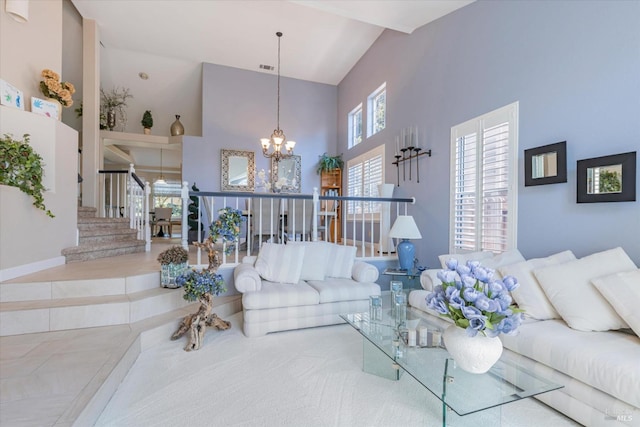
x: 147, y: 131
x: 58, y: 104
x: 176, y: 127
x: 111, y: 119
x: 472, y: 354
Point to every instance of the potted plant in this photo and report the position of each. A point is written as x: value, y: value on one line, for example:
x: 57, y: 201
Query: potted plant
x: 203, y: 285
x: 173, y: 262
x: 115, y: 99
x: 22, y: 167
x: 147, y: 122
x: 481, y: 309
x: 329, y: 163
x: 57, y: 90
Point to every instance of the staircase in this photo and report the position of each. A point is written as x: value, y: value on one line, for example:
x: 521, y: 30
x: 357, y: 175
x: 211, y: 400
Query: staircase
x: 102, y: 237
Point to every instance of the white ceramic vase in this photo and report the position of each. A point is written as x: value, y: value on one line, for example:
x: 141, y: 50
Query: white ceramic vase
x: 472, y: 354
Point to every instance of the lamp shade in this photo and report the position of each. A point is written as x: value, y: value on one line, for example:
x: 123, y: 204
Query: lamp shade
x: 405, y: 228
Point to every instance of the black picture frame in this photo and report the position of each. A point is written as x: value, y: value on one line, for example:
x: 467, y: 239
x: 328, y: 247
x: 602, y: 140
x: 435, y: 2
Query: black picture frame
x: 560, y: 148
x: 627, y: 161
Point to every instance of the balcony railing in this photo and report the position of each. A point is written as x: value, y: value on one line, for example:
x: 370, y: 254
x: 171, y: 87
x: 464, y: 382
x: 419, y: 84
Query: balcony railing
x: 282, y: 217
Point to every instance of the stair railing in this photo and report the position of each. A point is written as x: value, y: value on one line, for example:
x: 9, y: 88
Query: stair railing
x: 124, y: 195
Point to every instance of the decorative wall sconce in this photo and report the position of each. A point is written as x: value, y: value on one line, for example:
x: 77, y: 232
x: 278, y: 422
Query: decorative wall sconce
x: 17, y: 9
x: 408, y: 148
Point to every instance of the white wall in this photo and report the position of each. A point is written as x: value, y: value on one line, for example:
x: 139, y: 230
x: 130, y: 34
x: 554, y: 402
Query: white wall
x: 27, y: 48
x: 30, y: 239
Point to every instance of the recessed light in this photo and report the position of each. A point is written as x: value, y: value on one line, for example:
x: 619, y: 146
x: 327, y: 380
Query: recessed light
x: 143, y: 75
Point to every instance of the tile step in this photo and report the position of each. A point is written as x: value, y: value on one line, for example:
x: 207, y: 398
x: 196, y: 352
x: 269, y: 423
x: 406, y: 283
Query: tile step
x: 59, y: 289
x: 78, y: 313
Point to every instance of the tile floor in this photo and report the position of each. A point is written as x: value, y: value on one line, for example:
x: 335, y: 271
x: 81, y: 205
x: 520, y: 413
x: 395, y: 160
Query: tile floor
x: 47, y: 379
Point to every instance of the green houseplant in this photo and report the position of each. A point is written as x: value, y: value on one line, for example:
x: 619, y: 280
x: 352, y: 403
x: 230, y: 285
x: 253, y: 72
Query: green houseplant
x: 173, y: 263
x: 147, y: 122
x: 22, y: 167
x: 329, y: 163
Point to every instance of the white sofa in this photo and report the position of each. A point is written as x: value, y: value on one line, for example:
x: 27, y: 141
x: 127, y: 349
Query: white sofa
x: 581, y: 329
x: 302, y: 284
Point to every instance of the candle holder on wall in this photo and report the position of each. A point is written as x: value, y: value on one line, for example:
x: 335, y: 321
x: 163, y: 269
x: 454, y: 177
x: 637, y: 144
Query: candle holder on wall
x: 409, y: 150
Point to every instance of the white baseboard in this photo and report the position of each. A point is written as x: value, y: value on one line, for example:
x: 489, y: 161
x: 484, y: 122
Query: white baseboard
x: 34, y: 267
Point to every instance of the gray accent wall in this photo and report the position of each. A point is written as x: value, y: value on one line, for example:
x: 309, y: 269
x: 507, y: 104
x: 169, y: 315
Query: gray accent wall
x: 574, y: 68
x: 239, y: 107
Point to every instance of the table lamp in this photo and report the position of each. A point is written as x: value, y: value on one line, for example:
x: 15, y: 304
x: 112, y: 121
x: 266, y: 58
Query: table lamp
x: 405, y: 228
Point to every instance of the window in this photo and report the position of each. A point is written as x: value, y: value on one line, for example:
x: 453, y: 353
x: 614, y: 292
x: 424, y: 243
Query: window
x: 364, y: 174
x: 376, y: 110
x: 168, y: 195
x: 355, y: 126
x: 484, y: 180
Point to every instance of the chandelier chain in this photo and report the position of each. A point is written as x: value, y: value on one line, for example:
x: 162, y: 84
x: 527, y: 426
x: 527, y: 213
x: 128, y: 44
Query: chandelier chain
x: 278, y: 114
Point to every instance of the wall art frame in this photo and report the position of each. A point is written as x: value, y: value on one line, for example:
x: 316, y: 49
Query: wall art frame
x: 546, y: 164
x: 607, y: 179
x: 286, y: 174
x: 238, y: 170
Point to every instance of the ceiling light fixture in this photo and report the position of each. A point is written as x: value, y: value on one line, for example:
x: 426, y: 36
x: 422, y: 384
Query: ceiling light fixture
x: 161, y: 180
x: 277, y: 137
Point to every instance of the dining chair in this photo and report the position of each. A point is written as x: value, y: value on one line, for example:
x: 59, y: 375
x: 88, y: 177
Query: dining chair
x: 163, y: 217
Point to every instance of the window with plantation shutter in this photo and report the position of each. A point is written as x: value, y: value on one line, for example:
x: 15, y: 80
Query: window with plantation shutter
x: 484, y: 182
x: 364, y: 174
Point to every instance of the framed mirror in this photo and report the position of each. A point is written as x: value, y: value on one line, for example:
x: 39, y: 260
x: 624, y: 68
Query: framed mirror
x: 546, y: 164
x: 285, y: 174
x: 238, y: 169
x: 607, y: 179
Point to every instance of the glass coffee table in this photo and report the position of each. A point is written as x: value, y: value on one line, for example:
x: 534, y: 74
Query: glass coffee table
x: 466, y: 399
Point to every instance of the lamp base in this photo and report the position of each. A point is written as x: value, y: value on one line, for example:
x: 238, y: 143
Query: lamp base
x: 406, y: 254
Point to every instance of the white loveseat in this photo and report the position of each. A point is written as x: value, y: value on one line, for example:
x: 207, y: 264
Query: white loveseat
x: 302, y: 284
x: 581, y: 329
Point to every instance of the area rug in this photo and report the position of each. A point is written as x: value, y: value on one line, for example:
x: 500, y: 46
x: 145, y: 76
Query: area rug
x: 311, y: 377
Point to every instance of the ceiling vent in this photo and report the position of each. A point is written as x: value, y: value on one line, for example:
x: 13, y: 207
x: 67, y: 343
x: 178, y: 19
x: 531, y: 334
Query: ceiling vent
x: 267, y: 67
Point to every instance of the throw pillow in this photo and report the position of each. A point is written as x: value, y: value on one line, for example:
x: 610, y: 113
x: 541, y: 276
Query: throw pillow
x: 314, y: 263
x: 463, y: 258
x: 568, y: 287
x: 280, y: 263
x: 505, y: 258
x: 529, y: 295
x: 340, y: 261
x: 622, y: 290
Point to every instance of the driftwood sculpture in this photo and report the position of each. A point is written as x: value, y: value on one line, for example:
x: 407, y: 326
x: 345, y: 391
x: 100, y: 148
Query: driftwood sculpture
x: 196, y: 323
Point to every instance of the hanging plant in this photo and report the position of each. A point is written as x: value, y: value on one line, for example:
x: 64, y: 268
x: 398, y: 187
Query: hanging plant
x: 329, y: 163
x: 22, y: 167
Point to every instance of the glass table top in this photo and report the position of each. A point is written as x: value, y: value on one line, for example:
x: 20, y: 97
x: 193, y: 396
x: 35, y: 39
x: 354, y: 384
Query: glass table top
x: 463, y: 392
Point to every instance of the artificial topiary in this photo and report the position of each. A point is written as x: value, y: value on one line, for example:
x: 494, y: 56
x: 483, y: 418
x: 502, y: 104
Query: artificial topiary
x: 147, y: 120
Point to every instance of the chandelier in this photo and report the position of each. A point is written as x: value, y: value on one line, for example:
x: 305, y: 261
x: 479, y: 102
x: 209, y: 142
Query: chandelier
x: 277, y: 137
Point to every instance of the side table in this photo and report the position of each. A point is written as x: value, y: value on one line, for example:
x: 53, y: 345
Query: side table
x: 410, y: 278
